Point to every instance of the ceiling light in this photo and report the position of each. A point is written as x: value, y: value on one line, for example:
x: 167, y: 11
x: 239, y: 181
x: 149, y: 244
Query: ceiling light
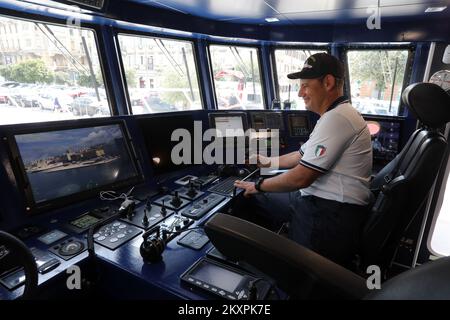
x: 273, y: 19
x: 435, y: 9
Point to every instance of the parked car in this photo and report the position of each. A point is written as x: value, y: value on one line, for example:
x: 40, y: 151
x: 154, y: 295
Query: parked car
x: 90, y: 106
x: 149, y: 104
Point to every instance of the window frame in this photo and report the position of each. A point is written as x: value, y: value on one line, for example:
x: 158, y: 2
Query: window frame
x: 259, y: 59
x: 273, y: 48
x: 86, y: 25
x: 372, y: 47
x: 152, y: 35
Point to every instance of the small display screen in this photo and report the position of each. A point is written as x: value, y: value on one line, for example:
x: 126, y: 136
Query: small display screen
x: 267, y: 120
x: 385, y: 140
x: 217, y: 276
x: 229, y: 126
x: 85, y: 221
x: 52, y: 236
x: 298, y: 125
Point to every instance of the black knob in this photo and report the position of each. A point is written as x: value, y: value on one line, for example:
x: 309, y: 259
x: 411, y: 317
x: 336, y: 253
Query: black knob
x: 191, y: 192
x: 205, y: 200
x: 145, y: 218
x: 176, y: 201
x: 163, y: 209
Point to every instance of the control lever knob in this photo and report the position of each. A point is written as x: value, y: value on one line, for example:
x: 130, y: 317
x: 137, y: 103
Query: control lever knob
x: 176, y: 201
x: 192, y: 192
x: 145, y: 218
x: 163, y: 209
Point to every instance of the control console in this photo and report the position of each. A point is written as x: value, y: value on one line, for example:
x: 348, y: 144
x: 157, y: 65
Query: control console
x: 169, y: 228
x: 191, y: 192
x: 201, y: 207
x: 116, y: 233
x: 174, y: 202
x: 148, y: 216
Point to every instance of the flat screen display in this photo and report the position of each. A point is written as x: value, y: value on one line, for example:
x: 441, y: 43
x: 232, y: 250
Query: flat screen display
x: 229, y: 124
x: 59, y: 164
x: 157, y: 132
x: 216, y: 276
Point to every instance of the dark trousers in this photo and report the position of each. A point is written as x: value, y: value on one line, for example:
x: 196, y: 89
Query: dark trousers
x: 328, y: 227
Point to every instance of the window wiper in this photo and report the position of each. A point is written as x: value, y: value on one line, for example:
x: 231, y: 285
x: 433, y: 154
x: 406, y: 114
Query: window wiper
x: 60, y: 46
x: 393, y: 84
x: 169, y: 57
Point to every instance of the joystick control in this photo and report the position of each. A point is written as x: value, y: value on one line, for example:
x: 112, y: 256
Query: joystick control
x: 145, y: 218
x: 192, y: 192
x: 163, y: 209
x: 176, y: 201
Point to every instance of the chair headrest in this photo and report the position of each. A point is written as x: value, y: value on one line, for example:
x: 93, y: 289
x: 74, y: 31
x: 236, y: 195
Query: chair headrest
x: 429, y: 103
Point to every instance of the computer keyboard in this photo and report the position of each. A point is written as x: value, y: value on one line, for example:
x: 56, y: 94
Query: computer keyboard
x: 225, y: 187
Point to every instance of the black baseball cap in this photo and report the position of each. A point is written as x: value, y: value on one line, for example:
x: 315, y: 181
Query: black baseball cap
x: 318, y: 65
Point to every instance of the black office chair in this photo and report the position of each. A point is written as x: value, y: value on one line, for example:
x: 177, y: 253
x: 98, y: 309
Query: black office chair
x: 402, y: 189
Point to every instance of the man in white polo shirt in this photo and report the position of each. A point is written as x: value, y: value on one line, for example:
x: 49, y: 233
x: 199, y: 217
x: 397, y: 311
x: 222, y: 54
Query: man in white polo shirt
x: 332, y: 169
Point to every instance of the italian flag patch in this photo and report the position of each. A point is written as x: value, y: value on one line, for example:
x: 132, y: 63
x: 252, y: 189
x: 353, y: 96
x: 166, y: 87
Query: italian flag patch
x: 320, y: 150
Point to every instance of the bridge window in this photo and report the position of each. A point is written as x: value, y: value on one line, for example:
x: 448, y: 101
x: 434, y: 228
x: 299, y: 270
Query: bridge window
x: 376, y: 80
x: 56, y: 76
x: 440, y: 239
x: 237, y: 79
x: 288, y: 61
x: 166, y: 80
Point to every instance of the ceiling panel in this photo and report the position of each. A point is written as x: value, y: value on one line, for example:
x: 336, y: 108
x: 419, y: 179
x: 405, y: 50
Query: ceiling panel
x: 298, y: 11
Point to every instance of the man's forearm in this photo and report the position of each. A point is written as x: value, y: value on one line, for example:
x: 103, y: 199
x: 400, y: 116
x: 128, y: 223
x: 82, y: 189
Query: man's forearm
x: 288, y: 161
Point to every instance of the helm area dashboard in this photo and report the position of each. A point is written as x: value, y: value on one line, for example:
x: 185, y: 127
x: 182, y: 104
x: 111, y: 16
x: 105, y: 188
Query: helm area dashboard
x: 122, y: 201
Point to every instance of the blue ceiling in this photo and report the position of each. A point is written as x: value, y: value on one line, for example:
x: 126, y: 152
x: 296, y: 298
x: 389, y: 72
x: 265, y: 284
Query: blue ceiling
x: 299, y: 12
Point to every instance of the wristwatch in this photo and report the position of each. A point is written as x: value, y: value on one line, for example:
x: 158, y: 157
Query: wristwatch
x: 258, y: 184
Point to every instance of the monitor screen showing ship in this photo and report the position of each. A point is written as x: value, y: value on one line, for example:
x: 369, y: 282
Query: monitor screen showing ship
x: 65, y: 162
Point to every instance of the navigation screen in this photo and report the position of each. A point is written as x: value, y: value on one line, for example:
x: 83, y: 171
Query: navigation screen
x: 216, y: 276
x: 65, y: 162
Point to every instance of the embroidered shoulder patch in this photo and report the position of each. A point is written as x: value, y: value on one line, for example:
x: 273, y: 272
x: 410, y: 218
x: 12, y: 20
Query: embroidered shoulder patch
x: 320, y: 150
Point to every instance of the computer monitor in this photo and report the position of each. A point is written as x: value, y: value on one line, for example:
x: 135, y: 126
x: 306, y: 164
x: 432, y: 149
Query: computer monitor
x: 157, y: 132
x: 72, y: 162
x: 228, y: 124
